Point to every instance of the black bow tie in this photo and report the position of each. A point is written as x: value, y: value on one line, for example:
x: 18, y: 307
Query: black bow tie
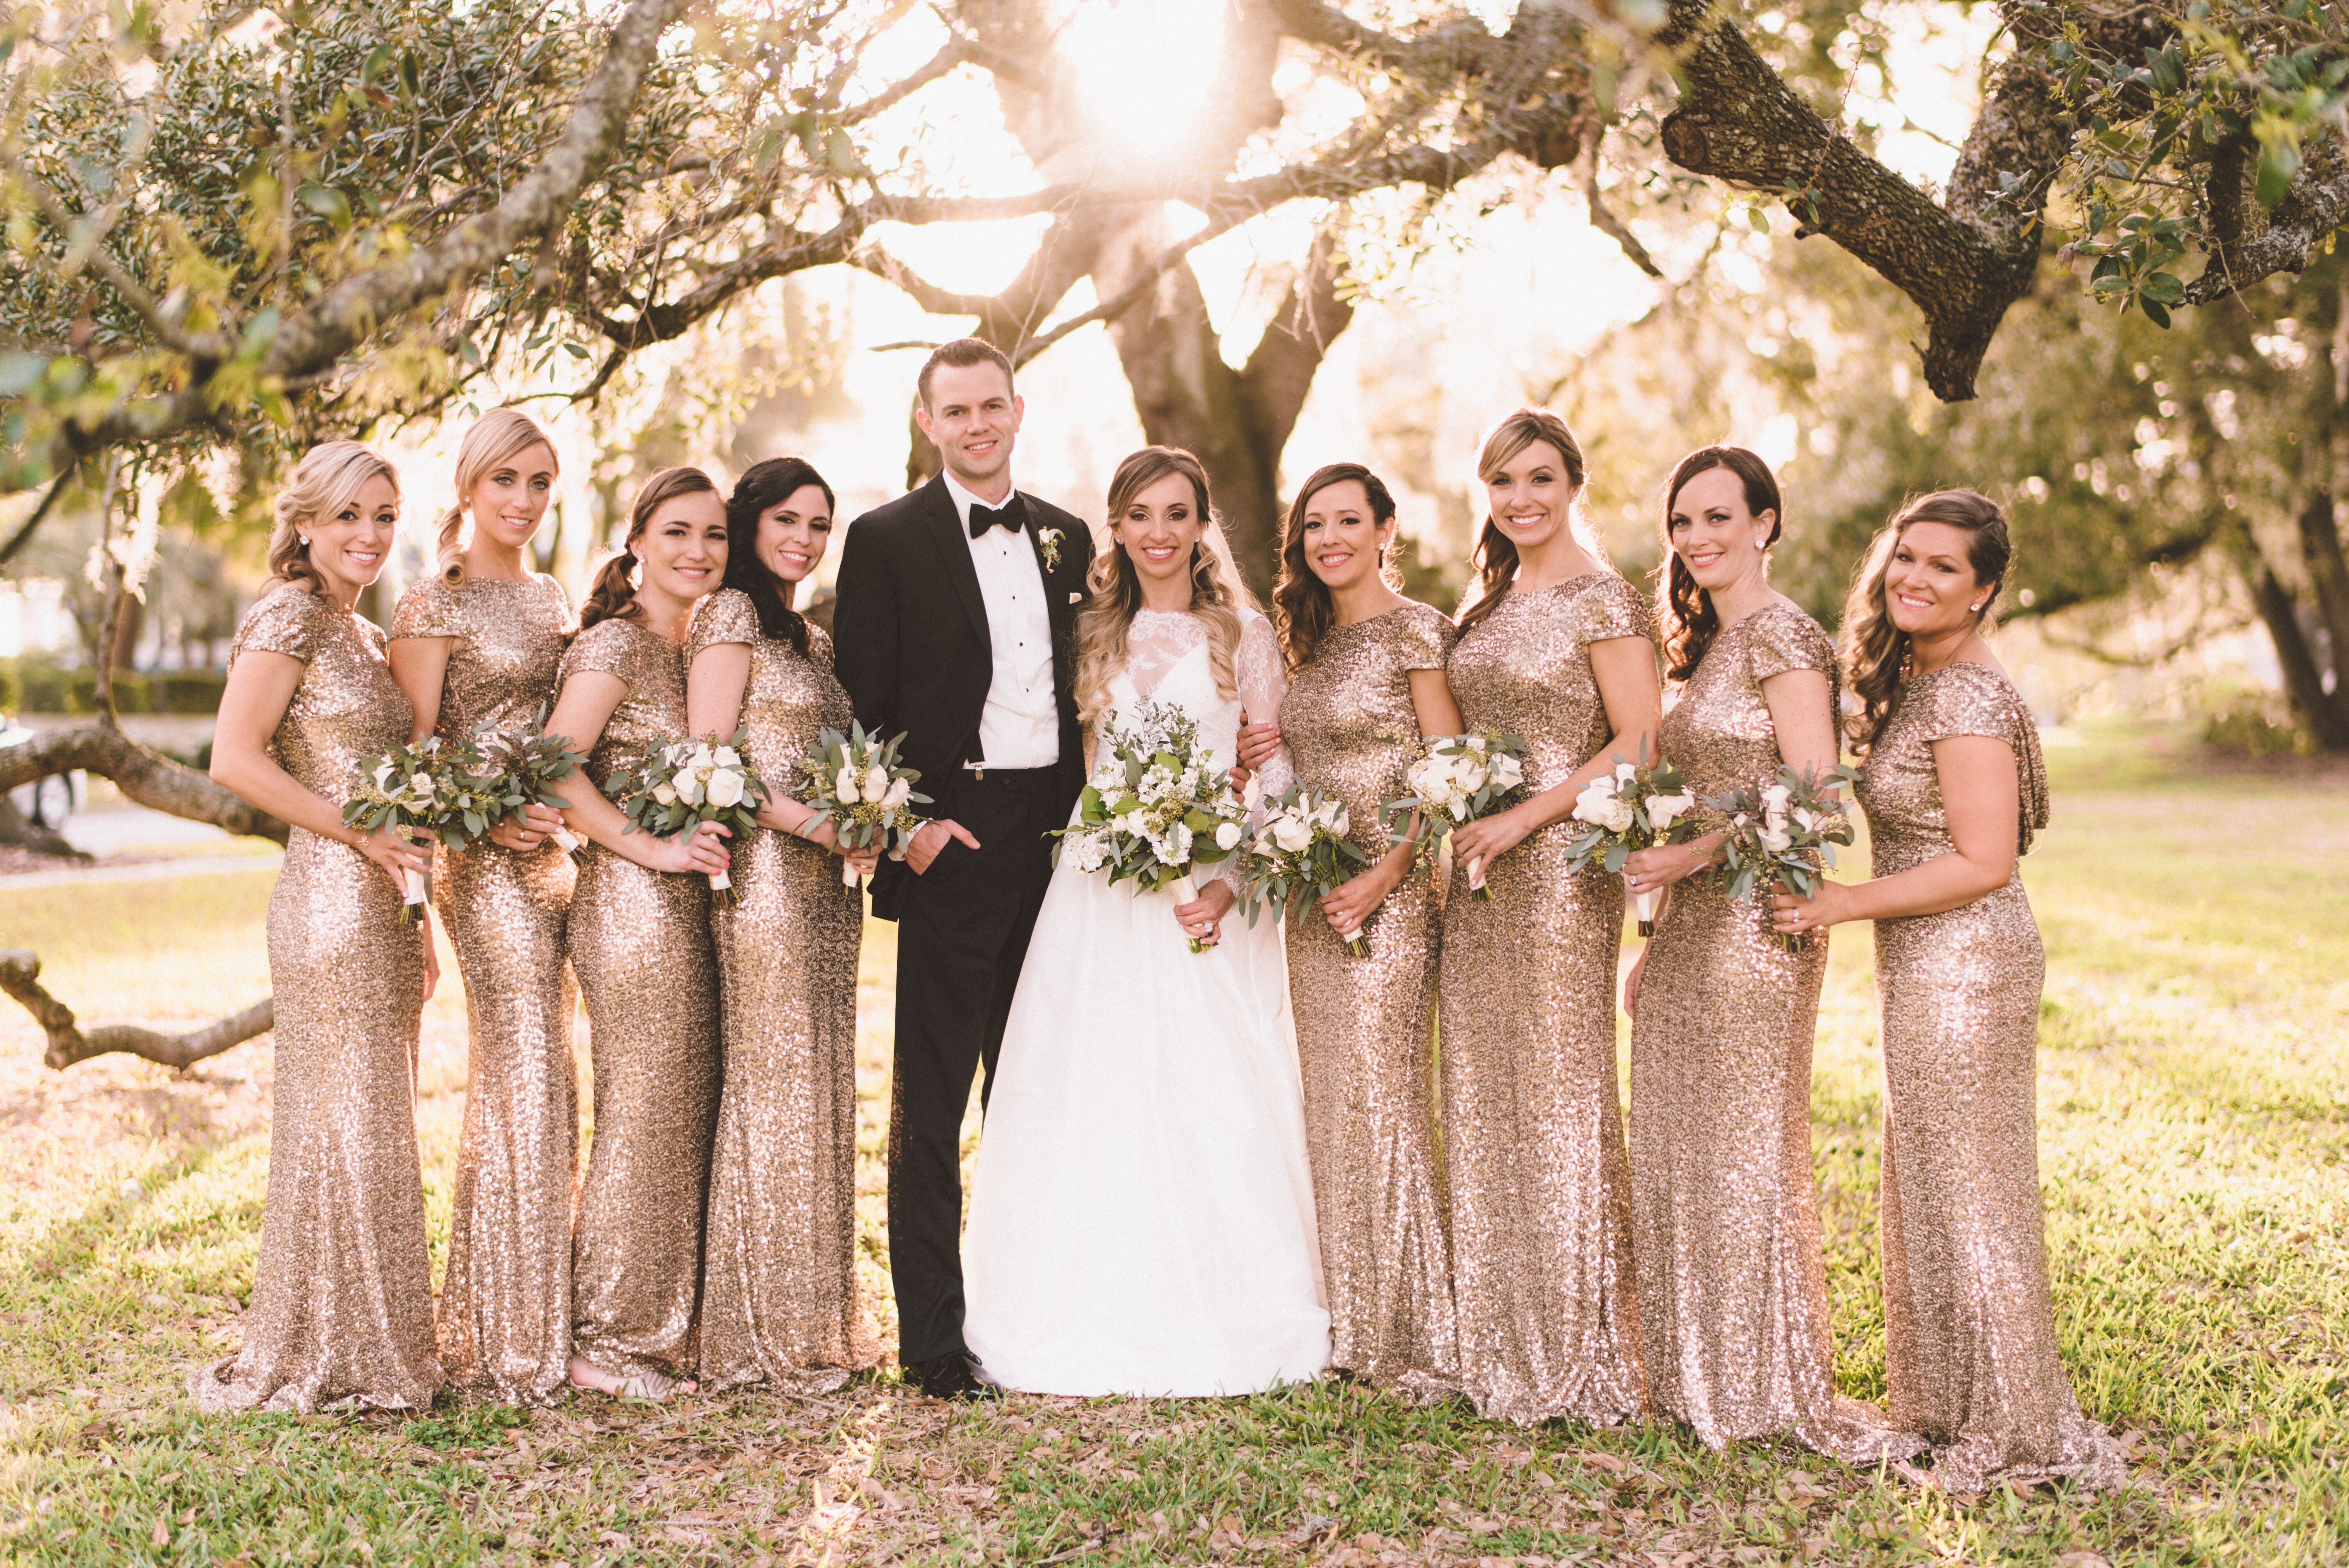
x: 1012, y: 515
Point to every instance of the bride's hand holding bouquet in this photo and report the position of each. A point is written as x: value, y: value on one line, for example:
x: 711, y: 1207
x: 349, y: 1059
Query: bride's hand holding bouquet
x: 1156, y: 809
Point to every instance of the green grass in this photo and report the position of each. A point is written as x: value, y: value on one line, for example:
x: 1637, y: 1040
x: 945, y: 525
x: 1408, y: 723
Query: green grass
x: 2193, y: 1127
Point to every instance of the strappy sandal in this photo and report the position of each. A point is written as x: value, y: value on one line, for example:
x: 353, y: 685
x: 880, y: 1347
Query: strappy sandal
x: 652, y: 1385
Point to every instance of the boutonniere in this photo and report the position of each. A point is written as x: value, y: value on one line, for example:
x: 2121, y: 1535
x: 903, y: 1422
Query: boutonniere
x: 1048, y: 539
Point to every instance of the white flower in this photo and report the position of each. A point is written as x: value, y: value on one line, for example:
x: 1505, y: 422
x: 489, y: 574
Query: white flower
x: 1228, y: 835
x: 894, y: 796
x: 876, y: 783
x: 1620, y: 815
x: 1344, y: 824
x: 675, y: 753
x: 1625, y: 773
x: 1774, y: 799
x: 1809, y: 820
x: 726, y: 757
x: 1088, y: 853
x: 1776, y: 839
x: 726, y: 788
x: 701, y: 754
x: 1592, y: 804
x: 665, y: 794
x: 1475, y: 744
x: 1291, y: 834
x: 384, y: 774
x: 1426, y: 779
x: 689, y: 788
x: 1507, y: 772
x: 421, y: 783
x: 844, y: 787
x: 1665, y: 810
x: 1175, y: 848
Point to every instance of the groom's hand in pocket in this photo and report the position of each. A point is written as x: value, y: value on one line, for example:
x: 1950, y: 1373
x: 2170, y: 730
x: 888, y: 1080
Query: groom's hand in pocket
x: 931, y: 838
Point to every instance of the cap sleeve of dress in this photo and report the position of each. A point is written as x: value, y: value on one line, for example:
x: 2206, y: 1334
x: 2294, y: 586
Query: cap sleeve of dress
x: 554, y: 588
x: 604, y: 646
x: 1780, y: 637
x: 726, y: 616
x: 819, y: 645
x: 1425, y: 637
x: 1616, y: 609
x: 288, y: 620
x: 428, y: 609
x: 1967, y: 698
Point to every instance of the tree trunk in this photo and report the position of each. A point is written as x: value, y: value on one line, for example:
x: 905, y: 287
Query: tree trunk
x: 2320, y: 547
x: 2319, y: 710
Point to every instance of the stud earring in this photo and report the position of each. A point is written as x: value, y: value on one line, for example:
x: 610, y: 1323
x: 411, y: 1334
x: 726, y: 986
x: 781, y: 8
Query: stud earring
x: 1761, y: 544
x: 1975, y: 608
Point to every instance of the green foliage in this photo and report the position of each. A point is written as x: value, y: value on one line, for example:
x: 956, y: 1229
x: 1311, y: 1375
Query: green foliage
x: 34, y: 682
x: 2247, y: 732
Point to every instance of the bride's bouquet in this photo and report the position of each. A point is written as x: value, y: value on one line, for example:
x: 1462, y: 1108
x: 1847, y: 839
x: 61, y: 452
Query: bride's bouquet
x: 1456, y: 779
x: 416, y: 791
x: 1300, y: 850
x: 1636, y: 806
x: 1156, y: 809
x: 509, y: 769
x: 856, y: 783
x: 674, y: 786
x: 1785, y: 833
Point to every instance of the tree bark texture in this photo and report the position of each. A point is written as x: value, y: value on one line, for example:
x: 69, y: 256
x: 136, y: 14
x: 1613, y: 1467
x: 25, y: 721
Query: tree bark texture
x: 20, y: 977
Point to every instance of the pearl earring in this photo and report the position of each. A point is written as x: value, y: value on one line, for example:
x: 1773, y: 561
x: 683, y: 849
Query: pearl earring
x: 1761, y: 544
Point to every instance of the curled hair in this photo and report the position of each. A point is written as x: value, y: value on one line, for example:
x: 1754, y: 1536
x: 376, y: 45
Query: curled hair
x: 613, y: 595
x: 763, y: 486
x: 1875, y: 652
x: 1495, y: 555
x: 496, y: 439
x: 1302, y: 610
x: 328, y: 478
x: 1684, y: 612
x: 1217, y: 597
x: 961, y: 355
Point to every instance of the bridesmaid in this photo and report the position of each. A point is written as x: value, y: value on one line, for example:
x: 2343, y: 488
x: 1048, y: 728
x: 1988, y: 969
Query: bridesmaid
x: 1732, y: 1284
x: 1556, y: 649
x: 779, y: 1302
x: 1954, y: 791
x: 1366, y: 680
x: 476, y: 643
x: 342, y: 1292
x: 639, y: 932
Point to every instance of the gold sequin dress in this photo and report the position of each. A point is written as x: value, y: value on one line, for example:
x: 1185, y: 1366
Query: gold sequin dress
x: 778, y: 1301
x: 505, y: 1302
x: 1533, y: 1124
x: 640, y: 943
x: 1365, y: 1027
x: 342, y: 1292
x: 1970, y: 1332
x: 1724, y: 1208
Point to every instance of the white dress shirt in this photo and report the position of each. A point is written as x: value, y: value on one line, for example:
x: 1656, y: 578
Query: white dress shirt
x: 1021, y: 727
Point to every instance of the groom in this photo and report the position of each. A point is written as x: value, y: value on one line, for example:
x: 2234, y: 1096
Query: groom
x: 955, y: 625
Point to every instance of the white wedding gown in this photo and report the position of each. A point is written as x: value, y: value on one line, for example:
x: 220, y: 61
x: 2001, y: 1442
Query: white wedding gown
x: 1141, y: 1219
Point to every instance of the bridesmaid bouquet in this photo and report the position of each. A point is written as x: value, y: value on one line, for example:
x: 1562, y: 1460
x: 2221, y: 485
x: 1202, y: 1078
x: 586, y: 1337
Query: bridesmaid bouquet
x: 856, y: 783
x: 1300, y: 850
x: 1636, y: 807
x: 674, y: 786
x: 416, y: 791
x: 1456, y: 779
x: 1156, y: 809
x: 509, y: 769
x: 1785, y: 833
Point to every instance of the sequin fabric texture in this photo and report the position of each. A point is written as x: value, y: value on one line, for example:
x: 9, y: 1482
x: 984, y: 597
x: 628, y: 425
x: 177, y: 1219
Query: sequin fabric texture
x: 1365, y: 1027
x: 1533, y: 1126
x: 342, y: 1294
x: 779, y: 1302
x: 505, y: 1301
x: 640, y: 943
x: 1725, y: 1224
x: 1970, y: 1335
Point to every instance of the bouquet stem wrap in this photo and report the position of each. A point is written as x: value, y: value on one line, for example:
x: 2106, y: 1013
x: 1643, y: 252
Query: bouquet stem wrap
x: 1643, y: 908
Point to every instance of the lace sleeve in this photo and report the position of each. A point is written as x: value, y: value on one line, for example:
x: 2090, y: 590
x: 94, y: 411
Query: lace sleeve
x: 1258, y: 671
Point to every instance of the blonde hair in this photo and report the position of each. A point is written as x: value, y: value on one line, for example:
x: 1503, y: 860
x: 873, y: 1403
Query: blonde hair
x: 497, y: 436
x: 1216, y: 596
x: 328, y: 478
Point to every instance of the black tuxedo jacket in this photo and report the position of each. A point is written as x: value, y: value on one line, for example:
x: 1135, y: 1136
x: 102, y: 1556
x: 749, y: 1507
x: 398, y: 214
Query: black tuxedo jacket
x: 910, y: 641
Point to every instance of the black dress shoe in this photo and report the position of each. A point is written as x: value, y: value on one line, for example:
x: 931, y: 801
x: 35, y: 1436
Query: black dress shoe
x: 947, y: 1377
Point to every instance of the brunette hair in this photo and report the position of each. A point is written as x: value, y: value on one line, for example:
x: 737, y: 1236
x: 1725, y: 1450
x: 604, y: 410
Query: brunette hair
x: 613, y: 596
x: 961, y: 355
x: 1684, y: 612
x: 765, y: 484
x: 498, y: 436
x: 1302, y: 610
x: 328, y: 478
x: 1217, y: 597
x: 1495, y: 555
x: 1875, y: 653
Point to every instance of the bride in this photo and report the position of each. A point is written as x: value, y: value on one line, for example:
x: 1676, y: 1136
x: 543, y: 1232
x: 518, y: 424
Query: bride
x: 1142, y: 1218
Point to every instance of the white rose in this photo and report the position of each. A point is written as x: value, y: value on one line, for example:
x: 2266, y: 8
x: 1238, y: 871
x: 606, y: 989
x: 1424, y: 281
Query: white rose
x: 1774, y: 799
x: 1228, y: 835
x: 895, y: 795
x: 1291, y: 834
x: 384, y: 774
x: 665, y: 794
x: 1809, y: 820
x: 1625, y: 773
x: 689, y: 788
x: 1425, y: 778
x: 726, y: 788
x: 726, y: 757
x: 1474, y: 745
x: 876, y: 783
x: 844, y: 787
x: 1776, y: 841
x: 702, y: 756
x: 675, y: 754
x: 1596, y: 801
x: 1469, y: 775
x: 1344, y: 824
x: 1665, y: 810
x: 1620, y: 815
x: 1507, y: 771
x: 421, y: 783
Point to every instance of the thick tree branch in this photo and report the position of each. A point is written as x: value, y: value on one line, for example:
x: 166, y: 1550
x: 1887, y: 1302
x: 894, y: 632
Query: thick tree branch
x: 20, y: 977
x: 1279, y: 371
x: 141, y: 775
x: 2317, y: 203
